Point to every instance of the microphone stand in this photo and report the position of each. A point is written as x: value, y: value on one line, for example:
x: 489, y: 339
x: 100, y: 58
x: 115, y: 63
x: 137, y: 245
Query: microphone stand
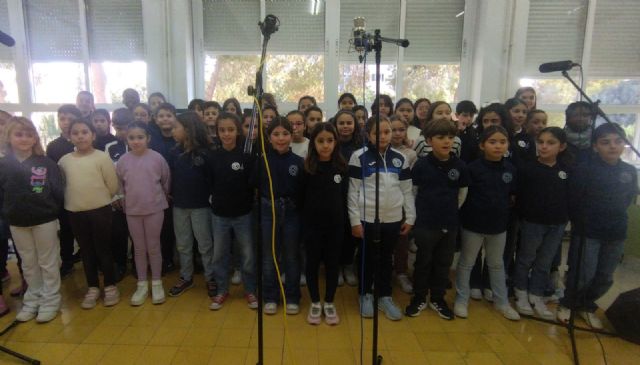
x: 268, y: 27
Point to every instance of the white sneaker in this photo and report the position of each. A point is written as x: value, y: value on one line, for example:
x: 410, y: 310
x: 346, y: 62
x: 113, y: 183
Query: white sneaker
x: 460, y: 310
x: 563, y: 314
x: 315, y: 313
x: 350, y: 275
x: 292, y: 308
x: 236, y: 278
x: 476, y: 294
x: 25, y: 316
x: 508, y: 312
x: 91, y: 298
x: 46, y: 316
x: 141, y: 293
x: 540, y: 308
x: 270, y: 308
x: 488, y: 295
x: 522, y: 302
x: 157, y: 292
x: 592, y: 320
x: 340, y: 279
x: 405, y: 283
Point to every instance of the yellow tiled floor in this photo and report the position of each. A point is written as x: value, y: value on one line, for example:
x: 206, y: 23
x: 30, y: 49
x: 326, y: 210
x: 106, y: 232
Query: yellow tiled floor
x: 184, y: 331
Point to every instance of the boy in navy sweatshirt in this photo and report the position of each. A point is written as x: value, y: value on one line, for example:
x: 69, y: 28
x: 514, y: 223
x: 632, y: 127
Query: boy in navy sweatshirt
x: 440, y: 181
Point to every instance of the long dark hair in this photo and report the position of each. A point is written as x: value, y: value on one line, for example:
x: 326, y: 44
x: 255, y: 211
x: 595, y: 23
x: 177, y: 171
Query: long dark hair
x: 196, y: 135
x: 235, y: 103
x: 387, y: 101
x: 564, y: 157
x: 500, y: 111
x: 236, y: 121
x: 356, y: 127
x: 311, y: 162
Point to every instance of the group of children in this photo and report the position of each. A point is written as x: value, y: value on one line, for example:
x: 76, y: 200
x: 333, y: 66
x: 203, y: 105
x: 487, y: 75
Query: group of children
x: 505, y: 182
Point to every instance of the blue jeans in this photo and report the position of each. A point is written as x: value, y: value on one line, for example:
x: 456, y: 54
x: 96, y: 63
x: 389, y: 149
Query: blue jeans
x: 600, y: 261
x: 188, y: 223
x: 287, y: 244
x: 243, y: 230
x: 494, y: 248
x: 538, y: 246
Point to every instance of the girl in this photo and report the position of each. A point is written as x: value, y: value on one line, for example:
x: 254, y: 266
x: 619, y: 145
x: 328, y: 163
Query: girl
x: 144, y: 177
x: 299, y: 143
x: 395, y: 187
x: 91, y: 184
x: 232, y: 105
x: 196, y: 105
x: 536, y: 121
x: 386, y: 106
x: 420, y: 109
x: 211, y: 113
x: 305, y: 102
x: 523, y: 144
x: 400, y: 141
x: 528, y: 95
x: 325, y: 178
x: 142, y: 113
x: 543, y: 201
x: 484, y: 217
x: 404, y: 110
x: 361, y: 113
x: 269, y: 113
x: 347, y: 101
x: 32, y: 190
x: 286, y: 172
x: 439, y: 110
x: 190, y: 197
x: 349, y: 133
x: 231, y: 203
x: 312, y: 116
x: 155, y: 100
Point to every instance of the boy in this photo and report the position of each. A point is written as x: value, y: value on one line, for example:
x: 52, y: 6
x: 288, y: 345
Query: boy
x: 211, y: 110
x: 55, y: 150
x: 579, y: 119
x: 102, y: 123
x: 465, y: 111
x: 85, y: 103
x: 440, y: 182
x: 601, y: 191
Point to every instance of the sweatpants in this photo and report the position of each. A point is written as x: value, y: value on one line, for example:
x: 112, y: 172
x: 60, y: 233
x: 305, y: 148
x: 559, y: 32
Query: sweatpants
x: 145, y: 232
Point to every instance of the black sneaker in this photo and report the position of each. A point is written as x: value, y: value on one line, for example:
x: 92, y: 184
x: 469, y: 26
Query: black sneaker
x: 415, y: 307
x: 441, y: 307
x: 180, y: 287
x: 212, y: 288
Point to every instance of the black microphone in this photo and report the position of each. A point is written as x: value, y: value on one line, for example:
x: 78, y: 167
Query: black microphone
x: 6, y: 39
x: 557, y: 66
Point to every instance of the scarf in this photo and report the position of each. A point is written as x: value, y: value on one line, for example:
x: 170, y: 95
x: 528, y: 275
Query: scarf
x: 582, y: 140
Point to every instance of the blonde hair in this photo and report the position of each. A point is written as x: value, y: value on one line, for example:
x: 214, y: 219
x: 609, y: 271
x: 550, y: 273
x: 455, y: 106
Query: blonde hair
x: 23, y: 124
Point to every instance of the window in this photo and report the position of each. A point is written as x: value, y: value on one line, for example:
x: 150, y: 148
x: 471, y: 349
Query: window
x: 8, y: 84
x: 352, y: 74
x: 229, y: 76
x: 289, y: 77
x: 47, y: 126
x: 57, y: 82
x: 552, y: 91
x: 614, y: 91
x: 435, y: 82
x: 109, y: 79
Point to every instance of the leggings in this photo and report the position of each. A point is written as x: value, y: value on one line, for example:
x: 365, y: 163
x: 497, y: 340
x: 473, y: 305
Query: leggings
x: 323, y: 245
x: 145, y: 232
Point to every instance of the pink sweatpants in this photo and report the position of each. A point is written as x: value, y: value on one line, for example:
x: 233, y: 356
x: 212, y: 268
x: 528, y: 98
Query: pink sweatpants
x: 145, y: 232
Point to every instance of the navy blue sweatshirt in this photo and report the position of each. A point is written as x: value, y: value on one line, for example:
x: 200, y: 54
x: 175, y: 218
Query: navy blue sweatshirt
x: 486, y: 209
x: 347, y: 148
x: 102, y: 141
x: 33, y: 190
x: 438, y: 184
x: 469, y: 144
x: 325, y: 196
x: 159, y: 143
x: 58, y: 148
x: 229, y: 175
x: 524, y: 146
x: 543, y: 193
x: 600, y: 195
x: 286, y: 172
x: 189, y: 186
x: 116, y: 149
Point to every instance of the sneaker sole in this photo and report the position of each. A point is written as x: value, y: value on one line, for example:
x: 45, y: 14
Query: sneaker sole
x: 180, y: 293
x: 440, y: 314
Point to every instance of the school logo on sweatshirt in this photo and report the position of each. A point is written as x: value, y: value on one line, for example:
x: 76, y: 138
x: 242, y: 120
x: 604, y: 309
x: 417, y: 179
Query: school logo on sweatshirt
x: 563, y: 175
x: 453, y: 174
x: 293, y: 170
x: 625, y: 177
x: 337, y: 178
x: 236, y: 166
x: 523, y: 144
x: 396, y: 162
x: 38, y: 179
x: 198, y: 161
x: 507, y: 177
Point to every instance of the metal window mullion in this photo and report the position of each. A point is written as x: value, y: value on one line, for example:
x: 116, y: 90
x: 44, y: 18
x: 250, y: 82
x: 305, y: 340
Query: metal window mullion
x: 84, y: 37
x: 588, y: 40
x: 331, y: 55
x: 21, y: 61
x: 400, y: 62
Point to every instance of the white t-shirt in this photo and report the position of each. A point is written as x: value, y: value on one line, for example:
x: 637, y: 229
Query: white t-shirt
x: 301, y: 149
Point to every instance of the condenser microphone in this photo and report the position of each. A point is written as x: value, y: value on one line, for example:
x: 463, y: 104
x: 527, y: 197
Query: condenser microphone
x: 6, y: 39
x: 557, y: 66
x: 360, y: 39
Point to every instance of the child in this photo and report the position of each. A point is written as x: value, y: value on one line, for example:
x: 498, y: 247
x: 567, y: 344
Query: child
x: 286, y: 173
x: 441, y: 180
x: 122, y: 117
x: 536, y: 121
x: 347, y: 101
x: 348, y: 141
x: 305, y: 102
x: 438, y: 110
x: 197, y: 105
x: 190, y: 193
x: 484, y: 217
x: 523, y: 144
x: 528, y: 95
x: 142, y: 113
x: 144, y: 177
x: 85, y: 103
x: 361, y: 113
x: 465, y: 111
x: 543, y: 195
x: 312, y: 116
x: 231, y: 204
x: 601, y: 191
x: 55, y: 150
x: 386, y: 106
x: 211, y: 113
x: 404, y: 110
x: 32, y: 190
x: 579, y: 128
x: 325, y: 179
x: 102, y: 123
x: 420, y: 109
x: 232, y: 105
x: 155, y: 100
x: 396, y: 195
x: 130, y: 98
x: 269, y: 113
x: 299, y: 143
x: 91, y: 185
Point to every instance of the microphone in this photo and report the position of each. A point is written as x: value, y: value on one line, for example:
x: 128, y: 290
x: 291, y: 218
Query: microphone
x: 557, y: 66
x: 6, y: 39
x: 360, y: 38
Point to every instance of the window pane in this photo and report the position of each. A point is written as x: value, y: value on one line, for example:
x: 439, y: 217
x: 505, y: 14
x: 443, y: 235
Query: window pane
x: 552, y: 91
x: 435, y: 82
x: 619, y: 92
x: 229, y: 76
x: 289, y: 77
x: 57, y: 82
x: 109, y: 79
x: 47, y: 126
x: 8, y: 84
x: 351, y: 78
